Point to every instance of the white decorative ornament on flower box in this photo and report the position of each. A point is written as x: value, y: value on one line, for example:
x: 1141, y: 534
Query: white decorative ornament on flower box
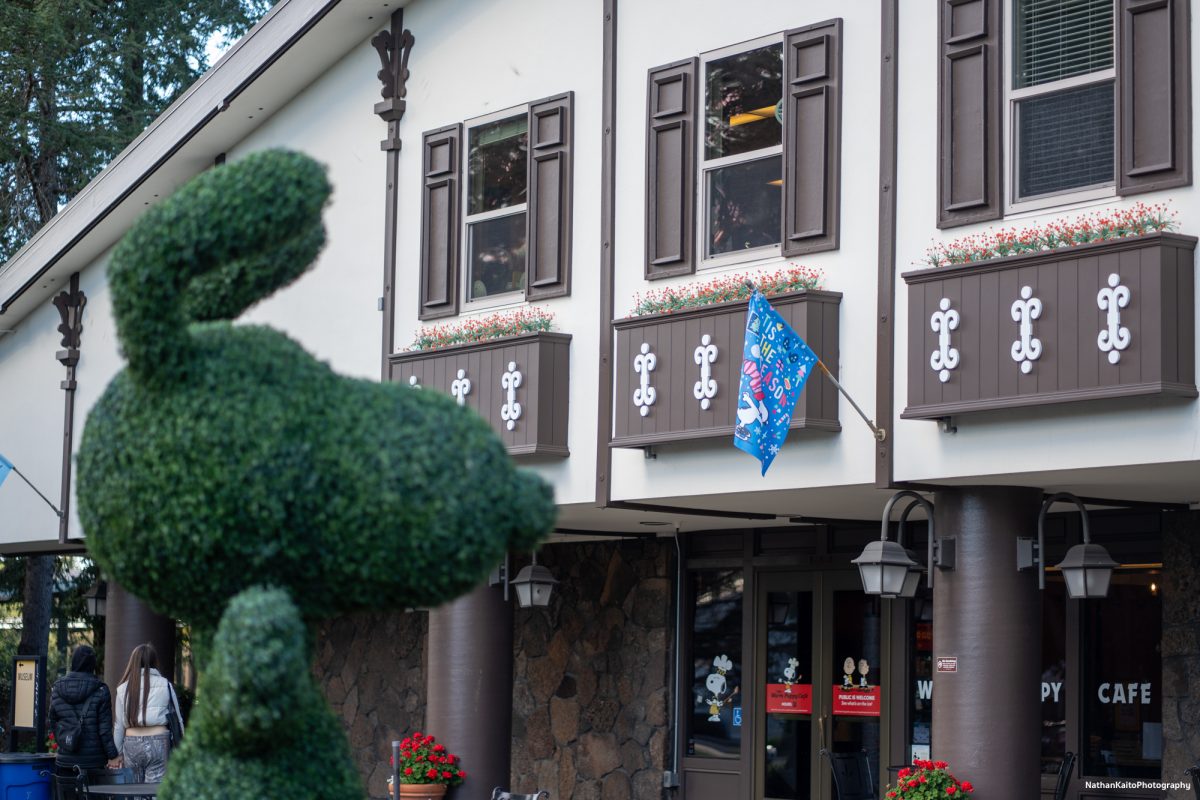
x: 643, y: 364
x: 461, y: 387
x: 1114, y: 338
x: 510, y: 381
x: 705, y: 355
x: 945, y: 358
x: 1028, y: 348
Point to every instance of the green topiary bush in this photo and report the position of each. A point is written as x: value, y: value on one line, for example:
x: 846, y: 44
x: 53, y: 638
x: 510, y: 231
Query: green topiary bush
x: 226, y: 457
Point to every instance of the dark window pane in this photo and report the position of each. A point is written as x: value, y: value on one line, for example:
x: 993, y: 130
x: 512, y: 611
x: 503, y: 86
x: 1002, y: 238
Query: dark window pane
x: 1054, y: 674
x: 714, y: 730
x: 1122, y: 678
x: 497, y: 256
x: 856, y: 660
x: 496, y: 157
x: 920, y: 736
x: 741, y: 94
x: 743, y: 205
x: 788, y: 760
x: 1057, y: 39
x: 1066, y: 140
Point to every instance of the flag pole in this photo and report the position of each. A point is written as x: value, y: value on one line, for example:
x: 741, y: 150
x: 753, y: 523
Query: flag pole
x: 39, y: 494
x: 880, y: 433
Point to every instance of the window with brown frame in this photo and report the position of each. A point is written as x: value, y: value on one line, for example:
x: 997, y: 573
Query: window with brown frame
x: 511, y: 235
x: 763, y: 165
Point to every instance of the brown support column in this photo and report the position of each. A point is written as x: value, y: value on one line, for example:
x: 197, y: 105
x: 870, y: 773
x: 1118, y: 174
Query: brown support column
x: 469, y: 683
x: 129, y: 622
x: 987, y: 714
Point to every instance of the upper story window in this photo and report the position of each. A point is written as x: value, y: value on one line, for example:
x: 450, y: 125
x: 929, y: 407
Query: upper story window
x: 1062, y: 103
x: 743, y: 152
x: 507, y: 237
x: 495, y: 237
x: 742, y: 146
x: 1047, y: 102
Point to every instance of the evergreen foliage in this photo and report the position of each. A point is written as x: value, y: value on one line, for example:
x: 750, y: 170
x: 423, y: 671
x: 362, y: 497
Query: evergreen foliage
x: 80, y: 79
x: 226, y: 457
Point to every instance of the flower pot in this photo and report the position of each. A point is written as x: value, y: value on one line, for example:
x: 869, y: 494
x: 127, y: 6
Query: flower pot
x: 420, y: 791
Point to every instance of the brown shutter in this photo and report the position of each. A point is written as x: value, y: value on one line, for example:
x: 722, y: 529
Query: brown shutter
x: 548, y: 220
x: 440, y: 222
x: 671, y: 170
x: 970, y: 94
x: 812, y: 132
x: 1153, y: 95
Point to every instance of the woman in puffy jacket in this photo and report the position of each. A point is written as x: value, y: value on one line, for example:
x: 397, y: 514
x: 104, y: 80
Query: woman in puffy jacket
x: 80, y: 699
x: 144, y: 699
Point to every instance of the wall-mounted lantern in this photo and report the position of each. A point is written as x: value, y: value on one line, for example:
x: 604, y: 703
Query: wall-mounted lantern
x: 886, y: 568
x: 1087, y: 568
x: 96, y: 599
x: 534, y: 584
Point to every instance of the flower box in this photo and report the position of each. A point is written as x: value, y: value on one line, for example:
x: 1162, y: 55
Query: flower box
x: 696, y: 370
x: 519, y: 384
x: 1108, y: 319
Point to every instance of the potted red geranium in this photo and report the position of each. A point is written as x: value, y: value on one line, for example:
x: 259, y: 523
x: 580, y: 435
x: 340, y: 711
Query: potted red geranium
x: 928, y: 780
x: 425, y: 769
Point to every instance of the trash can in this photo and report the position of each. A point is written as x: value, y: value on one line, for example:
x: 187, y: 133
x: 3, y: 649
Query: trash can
x: 26, y: 776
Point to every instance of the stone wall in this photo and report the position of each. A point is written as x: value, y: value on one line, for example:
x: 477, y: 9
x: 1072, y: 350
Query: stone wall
x: 591, y: 676
x: 370, y: 668
x: 592, y: 671
x: 1181, y: 647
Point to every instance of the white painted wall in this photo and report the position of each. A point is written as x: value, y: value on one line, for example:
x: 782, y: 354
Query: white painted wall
x: 655, y: 33
x: 1068, y: 437
x: 474, y: 57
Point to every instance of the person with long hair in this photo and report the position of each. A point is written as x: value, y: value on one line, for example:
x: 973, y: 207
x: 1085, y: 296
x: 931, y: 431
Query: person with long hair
x: 80, y: 704
x: 144, y: 699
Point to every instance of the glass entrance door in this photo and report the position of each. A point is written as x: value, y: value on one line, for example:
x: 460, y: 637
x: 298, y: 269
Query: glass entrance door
x: 818, y: 651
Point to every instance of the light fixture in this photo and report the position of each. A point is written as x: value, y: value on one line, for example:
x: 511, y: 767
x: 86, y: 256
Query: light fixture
x: 887, y: 569
x: 1087, y: 568
x: 534, y: 585
x: 96, y: 599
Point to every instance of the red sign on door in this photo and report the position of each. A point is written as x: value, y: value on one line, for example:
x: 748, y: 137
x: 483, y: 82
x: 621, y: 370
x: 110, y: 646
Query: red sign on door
x: 856, y: 702
x: 783, y: 698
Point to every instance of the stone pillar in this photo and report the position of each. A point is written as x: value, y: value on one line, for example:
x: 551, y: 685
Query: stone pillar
x: 470, y: 675
x: 1181, y: 648
x: 129, y: 622
x: 987, y: 715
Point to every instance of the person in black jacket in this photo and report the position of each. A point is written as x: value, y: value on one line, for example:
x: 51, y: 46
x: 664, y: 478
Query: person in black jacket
x: 81, y: 695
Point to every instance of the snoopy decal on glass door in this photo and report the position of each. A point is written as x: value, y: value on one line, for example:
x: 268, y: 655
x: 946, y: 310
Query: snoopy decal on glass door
x: 790, y: 675
x: 718, y: 687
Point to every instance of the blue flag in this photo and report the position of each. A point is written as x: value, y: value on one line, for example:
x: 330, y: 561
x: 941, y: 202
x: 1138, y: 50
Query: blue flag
x: 5, y: 468
x: 775, y: 364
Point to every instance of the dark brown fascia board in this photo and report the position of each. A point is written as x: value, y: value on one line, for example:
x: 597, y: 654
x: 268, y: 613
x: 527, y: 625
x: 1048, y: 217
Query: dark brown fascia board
x: 44, y: 547
x: 164, y: 138
x: 929, y: 274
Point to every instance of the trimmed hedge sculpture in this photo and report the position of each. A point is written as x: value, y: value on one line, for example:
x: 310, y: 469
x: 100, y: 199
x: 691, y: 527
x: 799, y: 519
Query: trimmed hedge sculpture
x: 225, y: 462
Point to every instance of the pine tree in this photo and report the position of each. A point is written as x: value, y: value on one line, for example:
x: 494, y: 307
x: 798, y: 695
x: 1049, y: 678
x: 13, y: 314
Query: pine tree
x: 80, y: 80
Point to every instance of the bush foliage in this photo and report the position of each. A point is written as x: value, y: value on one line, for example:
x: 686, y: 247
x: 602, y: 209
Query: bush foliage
x: 226, y: 457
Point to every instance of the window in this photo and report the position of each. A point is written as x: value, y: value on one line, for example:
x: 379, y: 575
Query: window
x: 497, y: 161
x: 714, y: 726
x: 741, y: 147
x: 1061, y: 100
x: 746, y: 141
x: 1091, y: 98
x: 507, y: 237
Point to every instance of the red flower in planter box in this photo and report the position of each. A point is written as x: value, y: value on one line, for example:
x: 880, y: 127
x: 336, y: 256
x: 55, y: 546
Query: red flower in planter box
x: 928, y: 780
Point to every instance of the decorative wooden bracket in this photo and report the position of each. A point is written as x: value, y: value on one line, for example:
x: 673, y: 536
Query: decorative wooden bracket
x: 70, y: 304
x: 394, y: 47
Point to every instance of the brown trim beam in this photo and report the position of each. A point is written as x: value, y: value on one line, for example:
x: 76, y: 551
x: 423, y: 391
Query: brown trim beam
x: 885, y: 335
x: 608, y: 217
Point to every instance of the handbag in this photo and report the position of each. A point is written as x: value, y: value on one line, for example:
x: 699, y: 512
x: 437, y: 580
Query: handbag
x: 174, y: 721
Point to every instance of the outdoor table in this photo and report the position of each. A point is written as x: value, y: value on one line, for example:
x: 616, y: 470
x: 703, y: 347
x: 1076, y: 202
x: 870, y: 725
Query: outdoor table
x: 125, y: 790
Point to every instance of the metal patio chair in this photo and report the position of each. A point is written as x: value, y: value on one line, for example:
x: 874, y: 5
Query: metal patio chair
x: 852, y: 779
x: 500, y: 794
x: 1194, y: 772
x: 1064, y: 776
